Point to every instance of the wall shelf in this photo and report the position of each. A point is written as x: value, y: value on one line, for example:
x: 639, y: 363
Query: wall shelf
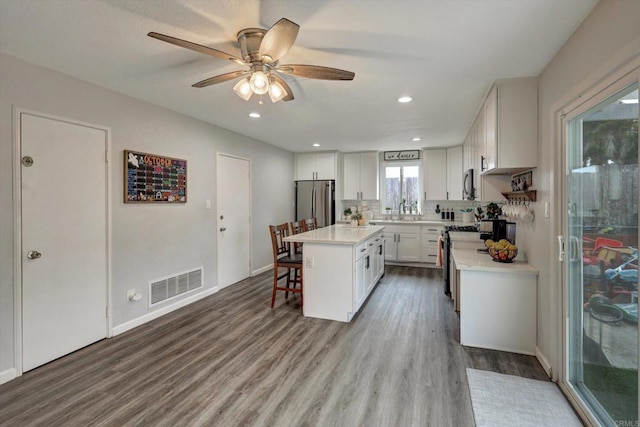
x: 526, y: 195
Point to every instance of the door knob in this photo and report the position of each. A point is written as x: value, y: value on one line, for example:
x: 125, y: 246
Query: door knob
x: 222, y: 229
x: 33, y: 255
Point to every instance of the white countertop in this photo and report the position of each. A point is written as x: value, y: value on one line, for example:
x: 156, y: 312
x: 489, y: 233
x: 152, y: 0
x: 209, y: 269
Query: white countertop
x: 470, y: 259
x: 419, y: 222
x: 336, y: 234
x: 465, y: 236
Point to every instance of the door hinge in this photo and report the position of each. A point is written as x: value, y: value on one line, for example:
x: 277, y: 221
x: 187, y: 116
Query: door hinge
x: 106, y: 157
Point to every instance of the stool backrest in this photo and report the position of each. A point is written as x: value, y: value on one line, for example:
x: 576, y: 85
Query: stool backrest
x: 312, y: 223
x: 296, y: 228
x: 278, y: 233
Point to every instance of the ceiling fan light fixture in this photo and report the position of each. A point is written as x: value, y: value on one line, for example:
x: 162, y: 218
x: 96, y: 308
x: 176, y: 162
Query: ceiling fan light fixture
x: 243, y: 89
x: 259, y: 83
x: 276, y: 91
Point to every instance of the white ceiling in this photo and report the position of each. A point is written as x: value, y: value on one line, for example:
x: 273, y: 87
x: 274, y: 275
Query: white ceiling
x: 443, y: 53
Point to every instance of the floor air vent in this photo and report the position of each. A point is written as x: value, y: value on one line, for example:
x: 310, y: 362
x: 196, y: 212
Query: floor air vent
x: 171, y: 287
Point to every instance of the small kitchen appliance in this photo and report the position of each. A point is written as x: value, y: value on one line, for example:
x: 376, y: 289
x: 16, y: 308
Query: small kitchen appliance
x: 494, y: 229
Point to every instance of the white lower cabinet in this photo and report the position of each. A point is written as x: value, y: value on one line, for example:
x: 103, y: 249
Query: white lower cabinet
x: 402, y: 243
x: 361, y: 273
x: 369, y: 267
x: 429, y: 243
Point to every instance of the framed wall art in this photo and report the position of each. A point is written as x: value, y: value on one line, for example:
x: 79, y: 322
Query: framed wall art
x: 149, y: 178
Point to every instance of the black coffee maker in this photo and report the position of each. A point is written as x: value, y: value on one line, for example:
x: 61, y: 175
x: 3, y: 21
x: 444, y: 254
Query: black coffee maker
x: 494, y: 229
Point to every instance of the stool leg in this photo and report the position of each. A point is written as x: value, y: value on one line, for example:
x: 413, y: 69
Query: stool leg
x: 301, y: 293
x: 275, y: 284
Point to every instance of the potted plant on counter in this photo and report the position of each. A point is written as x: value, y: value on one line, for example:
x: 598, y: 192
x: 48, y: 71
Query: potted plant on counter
x: 356, y: 219
x: 347, y: 213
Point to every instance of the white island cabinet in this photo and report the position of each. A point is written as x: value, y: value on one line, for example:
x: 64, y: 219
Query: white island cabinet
x: 498, y: 307
x: 341, y: 266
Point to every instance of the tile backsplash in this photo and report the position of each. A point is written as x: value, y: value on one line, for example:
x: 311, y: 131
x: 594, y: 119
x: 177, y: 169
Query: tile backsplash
x: 428, y: 208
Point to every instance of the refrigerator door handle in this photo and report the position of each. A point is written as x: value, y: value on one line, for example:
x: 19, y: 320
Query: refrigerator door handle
x: 327, y: 204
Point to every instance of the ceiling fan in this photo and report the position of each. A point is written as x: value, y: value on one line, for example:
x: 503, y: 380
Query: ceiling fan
x: 261, y: 51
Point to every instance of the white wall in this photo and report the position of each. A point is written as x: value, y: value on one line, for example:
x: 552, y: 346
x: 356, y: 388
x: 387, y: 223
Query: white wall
x: 149, y: 242
x: 609, y: 36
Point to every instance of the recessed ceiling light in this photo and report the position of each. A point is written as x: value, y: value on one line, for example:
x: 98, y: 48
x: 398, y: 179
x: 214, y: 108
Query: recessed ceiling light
x: 405, y: 99
x: 254, y: 115
x: 629, y: 101
x: 417, y: 138
x: 316, y: 145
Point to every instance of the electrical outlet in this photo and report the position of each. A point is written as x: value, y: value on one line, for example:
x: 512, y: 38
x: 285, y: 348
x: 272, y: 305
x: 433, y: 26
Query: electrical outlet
x: 207, y: 204
x: 547, y: 213
x: 309, y: 262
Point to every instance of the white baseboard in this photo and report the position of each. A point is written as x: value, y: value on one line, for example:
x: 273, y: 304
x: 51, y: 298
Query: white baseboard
x: 544, y: 362
x: 124, y: 327
x: 262, y: 270
x: 8, y: 375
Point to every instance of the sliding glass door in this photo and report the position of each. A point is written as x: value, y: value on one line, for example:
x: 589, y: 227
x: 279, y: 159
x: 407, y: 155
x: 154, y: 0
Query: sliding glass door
x: 601, y: 257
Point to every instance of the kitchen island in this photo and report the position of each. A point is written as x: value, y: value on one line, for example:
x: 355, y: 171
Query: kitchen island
x: 341, y: 266
x: 498, y: 302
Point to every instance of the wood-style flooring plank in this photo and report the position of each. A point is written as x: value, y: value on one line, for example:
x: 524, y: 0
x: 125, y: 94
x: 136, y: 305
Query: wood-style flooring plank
x: 230, y: 360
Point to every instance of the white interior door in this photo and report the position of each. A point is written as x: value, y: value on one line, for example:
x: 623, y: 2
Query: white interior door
x: 234, y: 219
x: 64, y: 238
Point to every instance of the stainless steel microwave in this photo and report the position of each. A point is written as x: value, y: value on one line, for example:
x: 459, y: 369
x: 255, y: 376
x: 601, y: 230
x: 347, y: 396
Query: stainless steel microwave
x: 468, y: 191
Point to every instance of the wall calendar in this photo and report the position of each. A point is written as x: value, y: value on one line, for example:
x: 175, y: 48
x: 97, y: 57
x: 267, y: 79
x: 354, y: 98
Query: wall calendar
x: 149, y: 178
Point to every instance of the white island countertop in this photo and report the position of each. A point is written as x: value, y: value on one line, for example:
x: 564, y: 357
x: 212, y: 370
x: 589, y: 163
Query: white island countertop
x: 471, y: 259
x: 336, y: 234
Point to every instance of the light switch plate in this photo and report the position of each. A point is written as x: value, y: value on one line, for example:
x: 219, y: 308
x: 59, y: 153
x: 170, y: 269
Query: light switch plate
x: 547, y: 214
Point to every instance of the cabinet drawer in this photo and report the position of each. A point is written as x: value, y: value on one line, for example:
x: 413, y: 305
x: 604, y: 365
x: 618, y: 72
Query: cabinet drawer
x: 429, y: 229
x: 413, y: 229
x: 361, y: 249
x: 430, y: 258
x: 429, y: 241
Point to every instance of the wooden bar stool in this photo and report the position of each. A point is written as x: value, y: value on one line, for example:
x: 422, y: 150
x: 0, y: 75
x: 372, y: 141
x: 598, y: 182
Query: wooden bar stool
x: 296, y: 228
x: 282, y: 258
x: 311, y: 223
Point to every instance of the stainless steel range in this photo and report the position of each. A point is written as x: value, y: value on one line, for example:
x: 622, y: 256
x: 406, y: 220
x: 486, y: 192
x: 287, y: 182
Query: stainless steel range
x: 446, y: 251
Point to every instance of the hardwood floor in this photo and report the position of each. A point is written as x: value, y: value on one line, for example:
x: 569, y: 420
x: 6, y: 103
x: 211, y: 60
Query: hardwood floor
x: 230, y: 360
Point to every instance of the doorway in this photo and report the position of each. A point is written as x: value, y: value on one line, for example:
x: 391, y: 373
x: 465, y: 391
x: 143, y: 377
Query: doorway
x: 63, y: 237
x: 600, y: 268
x: 233, y: 219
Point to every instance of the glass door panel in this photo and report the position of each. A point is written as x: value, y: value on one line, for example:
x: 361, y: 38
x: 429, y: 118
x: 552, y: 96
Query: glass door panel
x: 601, y: 262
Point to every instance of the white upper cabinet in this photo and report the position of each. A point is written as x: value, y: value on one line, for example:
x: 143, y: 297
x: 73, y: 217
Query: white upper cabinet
x: 360, y: 173
x: 434, y: 164
x: 454, y: 173
x: 316, y: 166
x: 511, y: 127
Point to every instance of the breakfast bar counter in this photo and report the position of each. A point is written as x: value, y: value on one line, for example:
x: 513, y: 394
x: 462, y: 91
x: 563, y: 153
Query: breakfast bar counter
x: 341, y: 266
x: 497, y: 302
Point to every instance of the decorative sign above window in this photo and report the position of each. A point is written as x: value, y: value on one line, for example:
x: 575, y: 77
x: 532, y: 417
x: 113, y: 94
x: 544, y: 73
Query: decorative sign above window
x: 151, y: 178
x: 402, y: 155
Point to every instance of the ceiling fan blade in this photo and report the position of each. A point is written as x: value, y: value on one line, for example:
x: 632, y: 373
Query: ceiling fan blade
x: 284, y: 84
x: 278, y: 40
x: 197, y: 47
x: 221, y: 78
x: 316, y: 72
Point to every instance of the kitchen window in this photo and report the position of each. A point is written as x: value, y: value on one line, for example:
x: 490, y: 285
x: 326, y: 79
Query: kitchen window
x: 400, y: 187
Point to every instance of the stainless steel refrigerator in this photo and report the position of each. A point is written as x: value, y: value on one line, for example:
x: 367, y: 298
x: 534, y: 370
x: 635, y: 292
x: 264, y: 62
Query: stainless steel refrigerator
x: 316, y: 199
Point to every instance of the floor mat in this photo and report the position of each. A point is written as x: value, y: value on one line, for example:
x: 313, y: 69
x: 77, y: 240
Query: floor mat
x: 507, y: 400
